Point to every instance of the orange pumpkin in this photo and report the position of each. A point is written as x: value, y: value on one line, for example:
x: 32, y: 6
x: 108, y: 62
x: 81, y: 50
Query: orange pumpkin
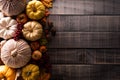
x: 7, y: 73
x: 43, y: 49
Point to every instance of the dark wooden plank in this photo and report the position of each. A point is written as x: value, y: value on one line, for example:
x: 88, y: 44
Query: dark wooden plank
x: 86, y: 40
x: 99, y: 4
x: 84, y: 56
x: 68, y: 7
x: 86, y: 23
x: 83, y: 7
x: 86, y: 72
x: 68, y: 56
x: 109, y: 6
x: 89, y: 6
x: 117, y: 7
x: 104, y: 56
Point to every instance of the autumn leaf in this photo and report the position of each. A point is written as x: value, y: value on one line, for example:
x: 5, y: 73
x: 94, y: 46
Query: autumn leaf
x: 47, y: 3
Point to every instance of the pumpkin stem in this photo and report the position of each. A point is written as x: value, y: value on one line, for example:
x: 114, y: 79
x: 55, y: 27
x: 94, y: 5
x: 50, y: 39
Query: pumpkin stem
x: 33, y: 8
x: 7, y: 28
x: 14, y: 53
x: 28, y: 73
x: 30, y: 30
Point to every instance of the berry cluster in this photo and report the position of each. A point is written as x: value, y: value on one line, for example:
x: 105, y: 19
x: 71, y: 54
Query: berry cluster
x: 18, y: 33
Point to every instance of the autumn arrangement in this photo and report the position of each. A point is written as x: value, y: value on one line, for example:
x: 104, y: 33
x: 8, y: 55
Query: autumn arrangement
x: 25, y: 31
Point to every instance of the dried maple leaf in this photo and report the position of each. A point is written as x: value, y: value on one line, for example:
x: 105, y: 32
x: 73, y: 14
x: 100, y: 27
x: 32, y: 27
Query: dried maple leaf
x: 47, y: 3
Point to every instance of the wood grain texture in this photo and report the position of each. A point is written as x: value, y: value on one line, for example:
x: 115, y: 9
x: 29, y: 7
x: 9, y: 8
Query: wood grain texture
x: 84, y: 56
x: 109, y: 6
x: 99, y: 6
x: 86, y: 72
x: 117, y: 6
x: 68, y: 56
x: 87, y: 43
x: 86, y: 7
x: 71, y: 23
x: 86, y: 40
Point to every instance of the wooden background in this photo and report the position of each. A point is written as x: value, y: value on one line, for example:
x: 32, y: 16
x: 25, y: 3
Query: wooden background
x: 87, y: 43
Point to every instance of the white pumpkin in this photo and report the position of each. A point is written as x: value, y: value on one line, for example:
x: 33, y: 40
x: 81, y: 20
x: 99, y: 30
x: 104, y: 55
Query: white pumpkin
x: 32, y: 30
x: 15, y: 54
x: 1, y: 15
x: 8, y: 27
x: 12, y: 7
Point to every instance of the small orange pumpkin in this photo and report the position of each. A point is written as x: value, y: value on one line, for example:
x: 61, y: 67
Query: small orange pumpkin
x: 43, y: 49
x: 7, y: 73
x: 22, y: 18
x: 36, y: 55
